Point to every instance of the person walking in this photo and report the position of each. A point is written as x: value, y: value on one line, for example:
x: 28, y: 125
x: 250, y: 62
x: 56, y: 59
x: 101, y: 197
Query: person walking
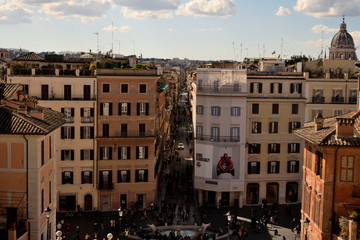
x: 293, y: 224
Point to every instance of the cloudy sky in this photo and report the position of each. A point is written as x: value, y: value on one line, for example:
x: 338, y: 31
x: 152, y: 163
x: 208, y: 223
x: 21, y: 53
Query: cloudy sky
x: 194, y: 29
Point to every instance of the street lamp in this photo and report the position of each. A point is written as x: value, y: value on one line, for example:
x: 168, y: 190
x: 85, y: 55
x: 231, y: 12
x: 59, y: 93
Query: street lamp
x: 58, y: 235
x: 306, y: 226
x: 47, y: 214
x: 228, y: 217
x: 109, y: 236
x: 120, y: 218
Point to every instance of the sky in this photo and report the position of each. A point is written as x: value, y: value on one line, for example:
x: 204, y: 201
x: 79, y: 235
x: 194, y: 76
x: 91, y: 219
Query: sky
x: 193, y: 29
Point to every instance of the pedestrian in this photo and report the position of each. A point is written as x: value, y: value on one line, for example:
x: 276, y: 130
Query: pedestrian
x: 87, y: 236
x: 112, y: 225
x: 293, y: 223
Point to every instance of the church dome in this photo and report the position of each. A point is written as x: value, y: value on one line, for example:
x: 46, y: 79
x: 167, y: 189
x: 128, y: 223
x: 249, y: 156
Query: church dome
x: 342, y: 39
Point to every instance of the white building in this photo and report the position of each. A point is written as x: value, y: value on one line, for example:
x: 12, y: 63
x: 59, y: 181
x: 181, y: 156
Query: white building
x: 220, y: 124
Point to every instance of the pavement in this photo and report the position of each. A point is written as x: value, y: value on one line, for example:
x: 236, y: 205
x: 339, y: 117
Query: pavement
x: 175, y: 193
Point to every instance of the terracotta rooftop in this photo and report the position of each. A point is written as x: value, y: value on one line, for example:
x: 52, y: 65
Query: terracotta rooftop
x: 7, y: 89
x: 326, y: 135
x: 13, y: 122
x: 31, y: 56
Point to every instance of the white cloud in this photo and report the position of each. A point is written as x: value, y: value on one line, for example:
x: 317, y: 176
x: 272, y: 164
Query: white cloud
x: 282, y: 11
x: 112, y: 28
x: 144, y: 14
x: 328, y: 8
x: 171, y: 30
x: 205, y: 8
x: 325, y: 29
x: 356, y: 37
x: 14, y: 13
x: 316, y: 43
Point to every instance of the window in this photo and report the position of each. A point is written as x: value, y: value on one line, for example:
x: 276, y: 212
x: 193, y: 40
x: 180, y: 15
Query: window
x: 253, y: 167
x: 106, y: 153
x: 337, y: 112
x: 69, y: 113
x: 318, y: 163
x: 199, y: 132
x: 86, y: 92
x: 44, y: 92
x: 42, y: 201
x: 26, y: 88
x: 293, y: 147
x: 293, y: 126
x: 318, y: 95
x: 87, y: 115
x: 142, y: 129
x: 67, y: 92
x: 294, y: 108
x: 347, y: 168
x: 50, y: 147
x: 275, y: 108
x: 105, y: 130
x: 105, y: 180
x: 142, y: 88
x: 67, y: 155
x: 124, y: 130
x: 124, y: 109
x: 87, y: 154
x: 275, y: 87
x: 307, y: 203
x: 256, y: 87
x: 106, y: 88
x: 142, y: 109
x: 141, y: 175
x: 141, y: 152
x: 124, y: 88
x: 256, y: 127
x: 255, y: 108
x: 105, y: 109
x: 67, y: 132
x: 67, y: 177
x: 235, y: 111
x: 274, y: 148
x: 86, y: 177
x: 273, y: 166
x: 123, y: 176
x: 317, y: 210
x: 315, y: 112
x: 215, y: 111
x: 295, y: 87
x: 199, y: 110
x: 273, y: 127
x: 291, y: 192
x: 254, y: 148
x: 337, y: 96
x: 123, y: 152
x: 42, y: 152
x: 215, y: 134
x: 353, y: 96
x: 86, y: 132
x: 293, y: 166
x: 235, y: 134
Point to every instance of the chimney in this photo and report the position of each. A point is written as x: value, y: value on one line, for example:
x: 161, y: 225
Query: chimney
x: 37, y: 113
x: 22, y: 109
x: 327, y: 75
x: 345, y: 127
x: 77, y: 71
x: 319, y: 122
x: 306, y: 75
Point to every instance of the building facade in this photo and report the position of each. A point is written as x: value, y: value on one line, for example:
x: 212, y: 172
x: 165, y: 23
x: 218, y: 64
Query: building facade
x: 129, y: 119
x: 28, y: 143
x: 220, y: 126
x: 275, y: 107
x: 74, y: 96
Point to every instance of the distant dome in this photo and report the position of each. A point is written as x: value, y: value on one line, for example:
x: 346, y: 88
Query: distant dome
x: 342, y: 38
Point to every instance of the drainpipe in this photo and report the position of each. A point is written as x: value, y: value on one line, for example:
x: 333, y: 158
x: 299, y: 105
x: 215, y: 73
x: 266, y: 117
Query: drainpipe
x: 333, y: 197
x: 27, y: 177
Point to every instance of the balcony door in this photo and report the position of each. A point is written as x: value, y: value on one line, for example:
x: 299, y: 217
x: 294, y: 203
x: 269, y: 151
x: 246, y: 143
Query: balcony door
x: 86, y: 92
x: 67, y: 92
x: 44, y: 92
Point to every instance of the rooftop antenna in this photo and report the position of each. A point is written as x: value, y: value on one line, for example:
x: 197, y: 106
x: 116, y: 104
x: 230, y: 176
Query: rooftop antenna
x: 263, y: 50
x: 259, y: 50
x: 241, y: 59
x: 234, y: 51
x: 133, y: 46
x: 97, y: 34
x: 112, y: 37
x: 282, y: 45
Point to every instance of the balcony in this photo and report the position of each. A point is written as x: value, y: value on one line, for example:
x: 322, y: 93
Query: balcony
x: 352, y: 100
x: 218, y: 138
x: 337, y: 100
x: 229, y: 88
x: 318, y: 99
x: 137, y: 134
x: 106, y: 186
x: 87, y: 119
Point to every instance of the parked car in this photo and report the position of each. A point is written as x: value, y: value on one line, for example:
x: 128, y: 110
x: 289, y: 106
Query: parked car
x: 180, y: 146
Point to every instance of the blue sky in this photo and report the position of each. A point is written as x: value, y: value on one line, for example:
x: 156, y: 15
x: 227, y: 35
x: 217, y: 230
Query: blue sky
x: 194, y: 29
